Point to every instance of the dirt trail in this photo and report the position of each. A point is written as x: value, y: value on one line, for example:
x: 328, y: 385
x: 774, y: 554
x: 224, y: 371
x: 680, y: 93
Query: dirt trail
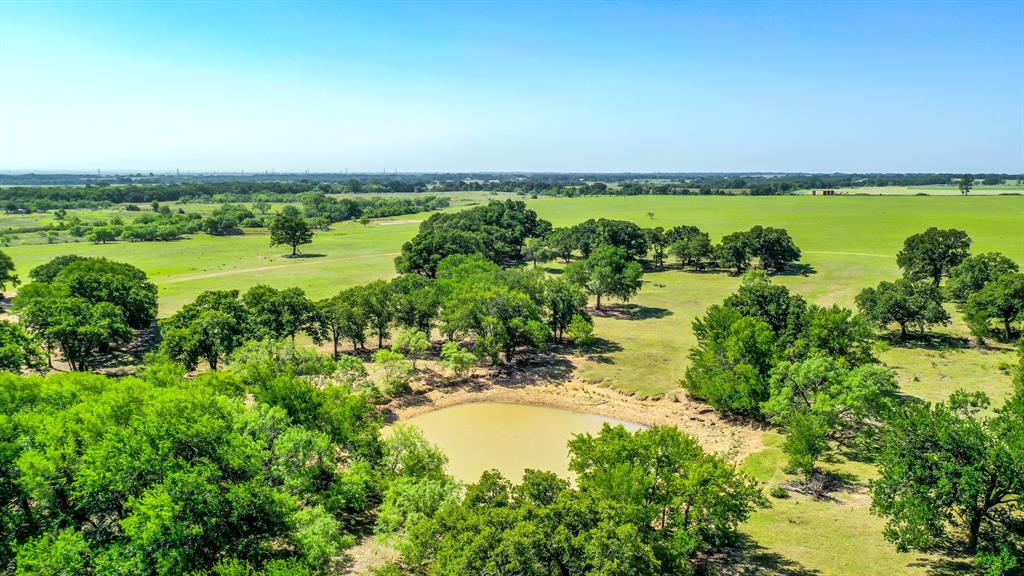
x: 311, y: 262
x: 849, y: 253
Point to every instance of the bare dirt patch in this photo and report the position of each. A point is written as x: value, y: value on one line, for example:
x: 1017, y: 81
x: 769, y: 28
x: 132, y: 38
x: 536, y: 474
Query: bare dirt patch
x: 395, y: 222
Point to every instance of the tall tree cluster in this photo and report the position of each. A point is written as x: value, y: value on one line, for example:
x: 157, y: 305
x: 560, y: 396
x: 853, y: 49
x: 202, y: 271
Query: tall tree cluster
x: 644, y: 502
x: 256, y: 471
x: 988, y: 288
x: 85, y: 306
x: 766, y: 353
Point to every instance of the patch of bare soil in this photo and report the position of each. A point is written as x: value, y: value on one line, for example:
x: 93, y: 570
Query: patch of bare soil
x: 395, y: 222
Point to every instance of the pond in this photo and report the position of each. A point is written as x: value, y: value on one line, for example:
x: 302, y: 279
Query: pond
x: 508, y: 437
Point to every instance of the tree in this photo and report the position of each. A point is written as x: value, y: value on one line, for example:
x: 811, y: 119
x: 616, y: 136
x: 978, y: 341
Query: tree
x: 690, y: 246
x: 18, y: 348
x: 102, y: 234
x: 734, y: 251
x: 729, y: 367
x: 607, y: 271
x: 931, y: 254
x: 378, y: 303
x: 278, y: 313
x: 581, y: 331
x: 836, y: 332
x: 210, y: 328
x: 416, y: 302
x: 289, y: 228
x: 78, y: 327
x: 965, y: 184
x: 664, y: 479
x: 498, y: 230
x: 974, y: 272
x: 904, y: 302
x: 537, y: 250
x: 1001, y: 299
x: 644, y: 504
x: 7, y: 275
x: 47, y: 272
x: 657, y: 241
x: 561, y: 242
x: 123, y: 285
x: 846, y: 404
x: 946, y: 464
x: 161, y: 475
x: 339, y: 318
x: 773, y: 247
x: 564, y: 301
x: 758, y: 298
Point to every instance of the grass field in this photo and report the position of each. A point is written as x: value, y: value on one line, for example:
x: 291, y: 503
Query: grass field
x: 849, y: 242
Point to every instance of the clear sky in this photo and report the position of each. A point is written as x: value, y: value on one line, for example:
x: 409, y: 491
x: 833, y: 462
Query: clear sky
x: 525, y: 86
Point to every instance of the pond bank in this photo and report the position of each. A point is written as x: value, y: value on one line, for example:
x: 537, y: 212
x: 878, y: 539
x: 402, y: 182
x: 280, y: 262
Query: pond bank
x: 533, y: 385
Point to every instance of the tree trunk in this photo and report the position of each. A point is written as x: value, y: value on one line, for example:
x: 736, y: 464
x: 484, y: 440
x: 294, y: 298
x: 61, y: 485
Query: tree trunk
x: 295, y: 249
x: 335, y: 348
x: 973, y: 529
x: 380, y: 340
x: 1006, y: 326
x: 598, y: 301
x: 903, y: 331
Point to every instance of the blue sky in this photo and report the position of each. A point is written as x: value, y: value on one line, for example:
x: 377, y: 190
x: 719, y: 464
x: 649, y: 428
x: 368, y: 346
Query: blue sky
x: 853, y: 86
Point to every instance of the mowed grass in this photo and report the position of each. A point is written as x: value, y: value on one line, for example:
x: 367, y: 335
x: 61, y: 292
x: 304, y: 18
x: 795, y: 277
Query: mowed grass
x: 849, y: 241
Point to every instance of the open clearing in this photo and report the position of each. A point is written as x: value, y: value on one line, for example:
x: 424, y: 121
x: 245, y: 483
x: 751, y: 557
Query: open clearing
x: 849, y: 242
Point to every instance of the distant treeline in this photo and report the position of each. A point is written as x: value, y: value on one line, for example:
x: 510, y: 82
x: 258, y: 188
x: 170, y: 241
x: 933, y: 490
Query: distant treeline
x: 99, y: 195
x: 705, y: 184
x: 80, y: 191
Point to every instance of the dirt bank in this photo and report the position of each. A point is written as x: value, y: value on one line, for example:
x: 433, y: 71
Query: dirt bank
x: 540, y: 385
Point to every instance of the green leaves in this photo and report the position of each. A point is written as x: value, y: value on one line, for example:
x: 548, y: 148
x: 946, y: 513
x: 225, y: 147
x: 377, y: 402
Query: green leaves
x: 646, y: 502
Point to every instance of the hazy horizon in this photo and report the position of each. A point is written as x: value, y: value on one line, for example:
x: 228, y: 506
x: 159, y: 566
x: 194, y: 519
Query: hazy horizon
x: 512, y: 88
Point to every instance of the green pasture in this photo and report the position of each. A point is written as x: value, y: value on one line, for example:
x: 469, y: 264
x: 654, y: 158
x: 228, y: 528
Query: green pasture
x: 849, y: 242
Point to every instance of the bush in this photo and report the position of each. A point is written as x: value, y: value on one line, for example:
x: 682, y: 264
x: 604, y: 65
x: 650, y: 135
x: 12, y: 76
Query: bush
x: 396, y: 371
x: 457, y: 359
x: 581, y: 331
x: 778, y: 492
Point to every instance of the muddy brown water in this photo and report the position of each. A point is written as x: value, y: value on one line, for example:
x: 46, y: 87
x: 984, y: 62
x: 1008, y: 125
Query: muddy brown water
x: 508, y: 437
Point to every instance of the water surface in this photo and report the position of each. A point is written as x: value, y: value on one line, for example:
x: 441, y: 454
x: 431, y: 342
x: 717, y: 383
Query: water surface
x: 508, y: 437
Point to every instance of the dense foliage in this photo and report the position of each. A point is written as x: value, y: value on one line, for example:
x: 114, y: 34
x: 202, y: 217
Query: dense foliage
x: 645, y: 503
x: 498, y: 230
x: 83, y: 306
x: 159, y: 475
x: 948, y: 469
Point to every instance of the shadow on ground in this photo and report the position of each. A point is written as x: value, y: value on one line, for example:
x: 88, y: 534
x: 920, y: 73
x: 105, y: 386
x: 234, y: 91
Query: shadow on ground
x: 290, y: 256
x: 632, y: 312
x: 927, y: 341
x: 529, y: 370
x: 748, y: 558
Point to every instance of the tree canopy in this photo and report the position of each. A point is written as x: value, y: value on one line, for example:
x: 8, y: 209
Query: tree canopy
x: 931, y: 254
x: 289, y: 228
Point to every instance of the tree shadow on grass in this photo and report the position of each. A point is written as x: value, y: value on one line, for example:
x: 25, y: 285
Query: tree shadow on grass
x: 926, y: 341
x: 797, y: 270
x: 299, y: 256
x: 748, y: 558
x: 947, y: 559
x: 633, y: 312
